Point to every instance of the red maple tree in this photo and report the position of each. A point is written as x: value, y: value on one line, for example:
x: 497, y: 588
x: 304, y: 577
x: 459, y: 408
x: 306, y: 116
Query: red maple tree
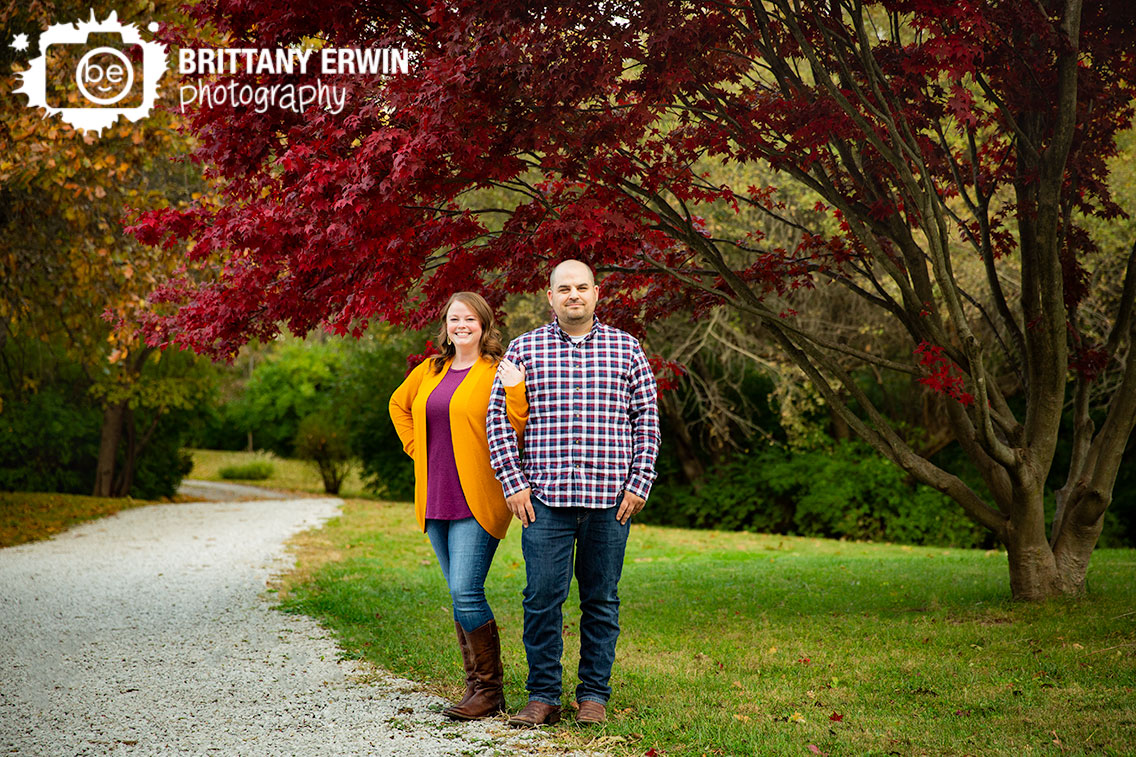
x: 931, y: 134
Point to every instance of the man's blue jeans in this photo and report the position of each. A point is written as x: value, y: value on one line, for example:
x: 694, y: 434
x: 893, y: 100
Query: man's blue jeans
x: 465, y: 552
x: 593, y: 542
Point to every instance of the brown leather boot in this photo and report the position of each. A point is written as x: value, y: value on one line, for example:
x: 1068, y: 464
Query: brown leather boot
x: 467, y: 663
x: 488, y: 696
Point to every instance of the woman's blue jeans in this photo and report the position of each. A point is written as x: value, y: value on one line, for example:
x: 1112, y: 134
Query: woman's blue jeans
x: 591, y: 542
x: 465, y: 551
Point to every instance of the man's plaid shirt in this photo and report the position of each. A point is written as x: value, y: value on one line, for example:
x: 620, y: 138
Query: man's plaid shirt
x: 593, y: 425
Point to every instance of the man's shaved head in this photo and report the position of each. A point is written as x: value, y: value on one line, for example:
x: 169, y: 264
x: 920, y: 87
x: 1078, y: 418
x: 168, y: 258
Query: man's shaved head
x: 570, y: 267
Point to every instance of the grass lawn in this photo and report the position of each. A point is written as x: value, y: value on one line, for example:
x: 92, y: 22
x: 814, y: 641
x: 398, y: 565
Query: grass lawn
x: 288, y: 474
x: 32, y: 516
x: 743, y: 644
x: 26, y: 517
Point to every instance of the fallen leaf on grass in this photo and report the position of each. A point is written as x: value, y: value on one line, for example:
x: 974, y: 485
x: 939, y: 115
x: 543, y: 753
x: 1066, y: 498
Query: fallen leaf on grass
x: 743, y: 718
x: 797, y: 717
x: 836, y: 717
x: 816, y: 750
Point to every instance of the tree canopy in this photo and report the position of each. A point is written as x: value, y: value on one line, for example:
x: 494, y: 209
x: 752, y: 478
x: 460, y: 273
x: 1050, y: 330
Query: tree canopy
x: 67, y: 270
x: 953, y: 151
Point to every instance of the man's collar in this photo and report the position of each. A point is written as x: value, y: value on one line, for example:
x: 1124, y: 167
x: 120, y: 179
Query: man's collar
x: 557, y: 329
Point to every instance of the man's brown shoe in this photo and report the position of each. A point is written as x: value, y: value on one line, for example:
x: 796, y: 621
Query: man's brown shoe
x: 591, y: 713
x: 536, y: 713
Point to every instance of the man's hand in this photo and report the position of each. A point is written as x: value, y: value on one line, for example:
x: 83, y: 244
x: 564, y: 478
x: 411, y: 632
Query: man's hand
x: 631, y: 505
x: 520, y: 504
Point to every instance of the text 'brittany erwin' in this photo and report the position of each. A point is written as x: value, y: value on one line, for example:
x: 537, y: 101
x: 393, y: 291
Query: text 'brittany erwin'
x: 332, y: 60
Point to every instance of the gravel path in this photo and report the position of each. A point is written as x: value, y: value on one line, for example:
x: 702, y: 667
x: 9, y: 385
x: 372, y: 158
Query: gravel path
x: 147, y: 633
x: 223, y: 491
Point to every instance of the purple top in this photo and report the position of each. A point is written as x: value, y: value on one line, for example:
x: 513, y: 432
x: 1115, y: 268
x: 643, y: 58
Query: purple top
x: 445, y: 499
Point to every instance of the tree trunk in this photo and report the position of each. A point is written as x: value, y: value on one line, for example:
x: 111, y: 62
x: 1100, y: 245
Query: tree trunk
x: 108, y: 449
x: 1074, y: 539
x: 692, y: 468
x: 125, y: 478
x: 1033, y: 570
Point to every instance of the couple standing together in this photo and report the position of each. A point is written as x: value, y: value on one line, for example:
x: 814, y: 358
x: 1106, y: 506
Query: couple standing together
x: 560, y: 431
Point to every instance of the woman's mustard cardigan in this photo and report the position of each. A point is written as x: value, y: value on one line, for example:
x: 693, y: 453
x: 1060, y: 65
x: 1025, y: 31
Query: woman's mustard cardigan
x: 468, y: 409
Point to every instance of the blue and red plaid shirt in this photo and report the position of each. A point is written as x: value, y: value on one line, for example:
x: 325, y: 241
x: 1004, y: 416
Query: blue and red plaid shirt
x: 593, y: 425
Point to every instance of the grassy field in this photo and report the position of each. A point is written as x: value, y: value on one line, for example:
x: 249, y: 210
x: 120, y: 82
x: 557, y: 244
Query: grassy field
x: 288, y: 474
x: 31, y: 516
x: 26, y: 517
x: 743, y: 644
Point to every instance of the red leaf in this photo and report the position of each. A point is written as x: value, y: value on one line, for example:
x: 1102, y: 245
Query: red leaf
x: 836, y: 717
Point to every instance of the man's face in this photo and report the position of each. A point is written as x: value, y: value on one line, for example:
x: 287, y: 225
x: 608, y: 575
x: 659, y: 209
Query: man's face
x: 573, y: 296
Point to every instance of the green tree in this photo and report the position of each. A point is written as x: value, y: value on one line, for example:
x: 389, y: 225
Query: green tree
x: 68, y: 274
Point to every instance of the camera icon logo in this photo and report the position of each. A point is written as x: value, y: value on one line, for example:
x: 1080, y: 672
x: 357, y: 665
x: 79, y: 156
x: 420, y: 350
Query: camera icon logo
x: 109, y: 69
x: 91, y: 73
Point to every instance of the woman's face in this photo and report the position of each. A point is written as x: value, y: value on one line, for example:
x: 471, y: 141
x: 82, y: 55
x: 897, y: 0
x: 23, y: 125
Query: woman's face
x: 462, y: 325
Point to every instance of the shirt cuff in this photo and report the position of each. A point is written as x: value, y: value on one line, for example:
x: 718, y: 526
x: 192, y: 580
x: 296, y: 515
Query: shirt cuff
x: 512, y: 481
x: 638, y: 485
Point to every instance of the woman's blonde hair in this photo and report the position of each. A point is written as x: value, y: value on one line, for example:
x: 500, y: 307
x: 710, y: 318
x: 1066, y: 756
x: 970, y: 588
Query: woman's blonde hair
x: 490, y: 345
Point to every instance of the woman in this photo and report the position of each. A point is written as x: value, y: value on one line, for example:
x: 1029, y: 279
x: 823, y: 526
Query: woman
x: 439, y: 414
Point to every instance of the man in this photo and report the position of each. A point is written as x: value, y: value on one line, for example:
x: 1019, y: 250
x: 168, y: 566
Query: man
x: 589, y: 459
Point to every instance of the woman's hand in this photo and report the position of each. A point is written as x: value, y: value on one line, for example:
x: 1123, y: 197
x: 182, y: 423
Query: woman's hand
x: 510, y: 374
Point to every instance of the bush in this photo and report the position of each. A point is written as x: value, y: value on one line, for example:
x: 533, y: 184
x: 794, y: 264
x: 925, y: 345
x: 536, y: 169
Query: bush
x: 257, y: 470
x: 164, y: 463
x: 49, y: 441
x: 348, y: 384
x: 324, y: 443
x: 297, y: 381
x: 217, y: 427
x: 847, y: 492
x: 368, y: 380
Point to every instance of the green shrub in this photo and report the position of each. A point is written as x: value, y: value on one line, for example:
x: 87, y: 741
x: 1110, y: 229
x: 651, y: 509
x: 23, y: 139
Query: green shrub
x: 368, y: 380
x: 161, y: 467
x: 258, y: 470
x: 297, y: 381
x: 49, y: 441
x: 324, y: 443
x: 846, y: 492
x: 348, y: 383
